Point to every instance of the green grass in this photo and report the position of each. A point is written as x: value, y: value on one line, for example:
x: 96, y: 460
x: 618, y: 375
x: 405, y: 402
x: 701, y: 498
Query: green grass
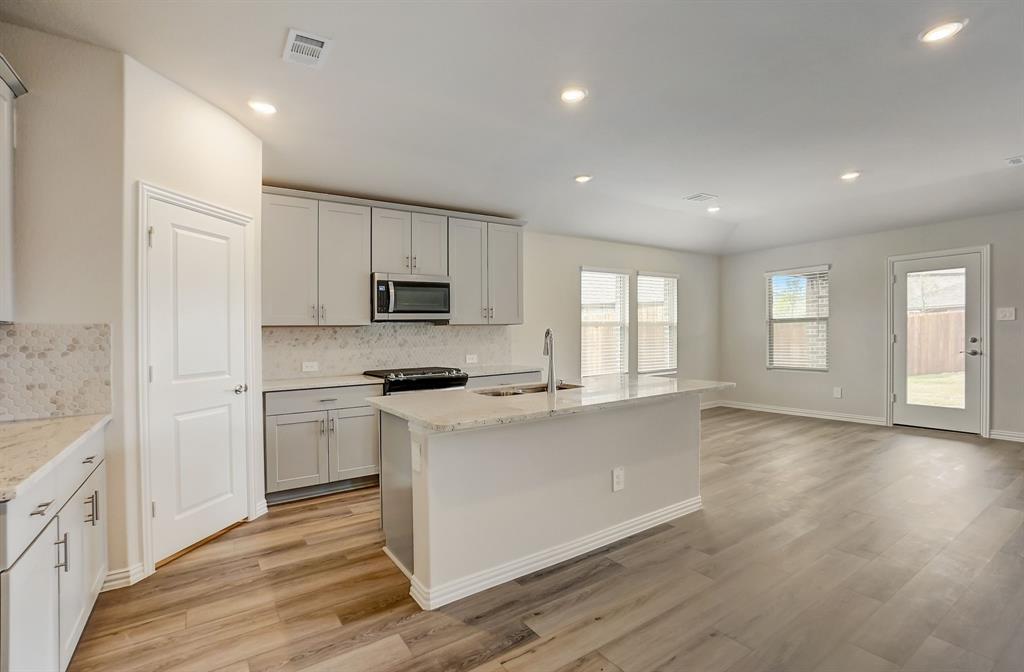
x: 936, y: 389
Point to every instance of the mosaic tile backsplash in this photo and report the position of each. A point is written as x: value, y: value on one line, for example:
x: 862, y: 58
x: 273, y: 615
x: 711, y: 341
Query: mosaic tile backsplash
x: 344, y: 350
x: 53, y: 370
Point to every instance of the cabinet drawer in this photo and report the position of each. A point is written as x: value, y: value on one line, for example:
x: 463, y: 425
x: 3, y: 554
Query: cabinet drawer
x: 322, y: 399
x: 25, y: 516
x: 76, y: 467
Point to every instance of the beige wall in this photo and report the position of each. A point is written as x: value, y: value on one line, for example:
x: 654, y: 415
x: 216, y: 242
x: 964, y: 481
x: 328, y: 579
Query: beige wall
x: 552, y: 299
x: 857, y: 324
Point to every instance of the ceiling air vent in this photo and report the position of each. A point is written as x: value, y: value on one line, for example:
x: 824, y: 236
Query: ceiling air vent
x: 306, y: 48
x: 701, y: 197
x: 1015, y: 160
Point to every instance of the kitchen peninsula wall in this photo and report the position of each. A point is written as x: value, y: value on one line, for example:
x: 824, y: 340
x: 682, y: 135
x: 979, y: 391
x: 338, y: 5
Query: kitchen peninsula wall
x: 54, y: 370
x: 344, y: 350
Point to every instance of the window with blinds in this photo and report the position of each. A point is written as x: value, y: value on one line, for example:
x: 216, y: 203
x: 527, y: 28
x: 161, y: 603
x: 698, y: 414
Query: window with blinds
x: 656, y: 307
x: 604, y: 319
x: 798, y: 318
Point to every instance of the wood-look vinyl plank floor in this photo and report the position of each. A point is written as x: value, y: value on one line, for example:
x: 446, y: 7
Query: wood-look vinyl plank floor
x: 822, y: 547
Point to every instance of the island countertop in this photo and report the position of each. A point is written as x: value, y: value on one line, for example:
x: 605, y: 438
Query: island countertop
x: 453, y: 410
x: 30, y: 448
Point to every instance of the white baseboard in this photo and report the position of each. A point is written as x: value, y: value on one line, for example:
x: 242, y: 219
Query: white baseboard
x: 438, y: 596
x: 705, y: 405
x: 122, y: 578
x: 823, y: 415
x: 261, y: 509
x: 401, y: 567
x: 1006, y: 436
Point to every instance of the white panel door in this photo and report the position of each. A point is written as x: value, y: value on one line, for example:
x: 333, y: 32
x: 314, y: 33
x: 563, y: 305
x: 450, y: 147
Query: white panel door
x: 467, y: 259
x: 937, y: 348
x: 429, y: 244
x: 197, y: 400
x: 354, y: 443
x: 289, y: 265
x: 392, y: 241
x: 30, y: 593
x: 344, y: 263
x: 505, y: 273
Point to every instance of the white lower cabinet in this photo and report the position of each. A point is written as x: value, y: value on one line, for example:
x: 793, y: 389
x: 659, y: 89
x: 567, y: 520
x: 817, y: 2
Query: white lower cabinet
x: 314, y: 447
x: 46, y: 596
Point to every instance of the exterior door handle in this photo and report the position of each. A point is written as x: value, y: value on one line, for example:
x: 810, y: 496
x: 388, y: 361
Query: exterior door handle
x: 240, y: 388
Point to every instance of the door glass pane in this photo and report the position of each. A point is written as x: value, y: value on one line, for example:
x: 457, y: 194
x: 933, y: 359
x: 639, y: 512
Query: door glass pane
x: 935, y: 336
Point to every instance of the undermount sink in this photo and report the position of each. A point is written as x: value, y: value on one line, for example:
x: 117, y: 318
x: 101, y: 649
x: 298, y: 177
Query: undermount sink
x: 516, y: 390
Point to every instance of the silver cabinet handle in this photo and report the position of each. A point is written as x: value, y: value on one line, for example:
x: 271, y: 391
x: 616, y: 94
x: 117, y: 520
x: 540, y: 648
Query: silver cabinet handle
x: 323, y: 428
x: 88, y: 460
x: 414, y: 263
x: 324, y: 401
x: 312, y: 311
x: 91, y: 516
x: 407, y: 261
x: 323, y: 311
x: 332, y: 425
x: 67, y: 559
x: 95, y: 506
x: 40, y: 509
x: 483, y: 311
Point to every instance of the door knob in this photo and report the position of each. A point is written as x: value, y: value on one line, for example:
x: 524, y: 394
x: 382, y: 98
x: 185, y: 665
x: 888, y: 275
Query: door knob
x: 240, y: 388
x: 972, y: 352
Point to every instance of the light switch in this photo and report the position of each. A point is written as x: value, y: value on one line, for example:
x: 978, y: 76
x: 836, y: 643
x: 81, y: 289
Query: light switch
x: 471, y: 359
x: 1006, y: 314
x: 837, y: 392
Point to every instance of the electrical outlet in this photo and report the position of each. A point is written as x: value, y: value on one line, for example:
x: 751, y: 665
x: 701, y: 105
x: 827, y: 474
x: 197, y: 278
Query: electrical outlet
x: 309, y: 367
x: 837, y: 393
x: 618, y: 478
x: 1006, y: 314
x: 471, y: 359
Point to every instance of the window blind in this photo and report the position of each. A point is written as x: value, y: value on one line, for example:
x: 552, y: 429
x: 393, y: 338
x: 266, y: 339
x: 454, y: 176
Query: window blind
x: 798, y: 313
x: 656, y: 323
x: 604, y: 320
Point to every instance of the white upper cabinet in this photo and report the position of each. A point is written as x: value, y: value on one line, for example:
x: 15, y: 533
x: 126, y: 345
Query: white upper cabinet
x: 467, y: 258
x: 392, y: 241
x: 290, y: 260
x: 429, y: 244
x: 487, y: 272
x: 505, y: 273
x: 6, y: 204
x: 344, y: 263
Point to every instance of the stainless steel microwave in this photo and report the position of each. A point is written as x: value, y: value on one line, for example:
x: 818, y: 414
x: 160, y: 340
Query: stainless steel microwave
x: 411, y: 298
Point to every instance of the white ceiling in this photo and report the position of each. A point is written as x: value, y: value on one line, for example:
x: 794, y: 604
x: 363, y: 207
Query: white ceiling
x: 762, y: 102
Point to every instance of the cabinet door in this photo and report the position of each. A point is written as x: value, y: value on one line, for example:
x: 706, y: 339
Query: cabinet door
x: 429, y: 244
x: 31, y: 621
x: 505, y: 273
x: 94, y: 553
x: 344, y: 263
x: 289, y: 264
x: 467, y: 258
x: 71, y: 575
x: 354, y: 443
x: 391, y: 241
x: 296, y: 450
x: 6, y: 204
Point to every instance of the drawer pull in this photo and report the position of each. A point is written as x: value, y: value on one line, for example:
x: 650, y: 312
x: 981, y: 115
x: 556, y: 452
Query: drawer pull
x: 40, y: 509
x: 324, y: 401
x: 89, y: 460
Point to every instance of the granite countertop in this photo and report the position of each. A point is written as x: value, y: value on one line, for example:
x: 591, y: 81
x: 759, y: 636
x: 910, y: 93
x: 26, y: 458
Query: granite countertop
x: 448, y: 411
x: 314, y: 382
x: 30, y: 448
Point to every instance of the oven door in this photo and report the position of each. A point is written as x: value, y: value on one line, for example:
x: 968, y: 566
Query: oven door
x: 411, y: 298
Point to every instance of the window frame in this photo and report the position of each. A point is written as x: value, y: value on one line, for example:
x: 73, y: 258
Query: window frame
x: 636, y: 289
x: 769, y: 321
x: 630, y: 310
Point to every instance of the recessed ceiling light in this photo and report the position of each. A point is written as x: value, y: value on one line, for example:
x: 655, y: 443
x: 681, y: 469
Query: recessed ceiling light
x: 713, y: 209
x: 573, y: 95
x: 850, y: 176
x: 943, y: 31
x: 583, y: 179
x: 262, y: 107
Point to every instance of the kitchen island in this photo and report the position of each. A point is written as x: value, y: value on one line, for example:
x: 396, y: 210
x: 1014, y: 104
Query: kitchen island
x: 480, y: 487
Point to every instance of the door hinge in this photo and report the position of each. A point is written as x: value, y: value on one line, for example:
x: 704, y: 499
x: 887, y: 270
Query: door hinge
x: 894, y: 397
x: 152, y: 508
x: 894, y: 338
x: 150, y: 373
x: 894, y: 279
x: 149, y: 236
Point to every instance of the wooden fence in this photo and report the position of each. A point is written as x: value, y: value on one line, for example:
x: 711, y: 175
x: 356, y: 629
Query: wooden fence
x: 934, y: 342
